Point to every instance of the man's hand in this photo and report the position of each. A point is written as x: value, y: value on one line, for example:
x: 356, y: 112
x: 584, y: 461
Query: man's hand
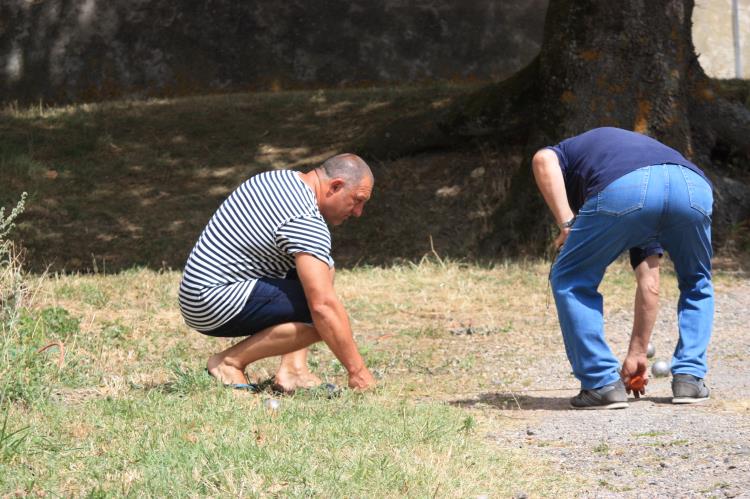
x: 561, y: 238
x: 330, y: 319
x: 635, y: 365
x: 361, y: 379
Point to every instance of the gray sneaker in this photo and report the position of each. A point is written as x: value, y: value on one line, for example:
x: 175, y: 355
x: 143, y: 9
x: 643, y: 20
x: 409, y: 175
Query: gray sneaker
x: 688, y: 389
x: 610, y: 396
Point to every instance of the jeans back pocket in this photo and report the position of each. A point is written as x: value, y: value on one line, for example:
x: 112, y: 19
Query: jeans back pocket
x: 699, y: 191
x: 624, y: 195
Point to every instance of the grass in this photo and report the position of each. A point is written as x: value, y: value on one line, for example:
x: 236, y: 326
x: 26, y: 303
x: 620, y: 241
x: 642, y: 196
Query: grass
x: 205, y: 441
x: 119, y: 184
x: 131, y: 411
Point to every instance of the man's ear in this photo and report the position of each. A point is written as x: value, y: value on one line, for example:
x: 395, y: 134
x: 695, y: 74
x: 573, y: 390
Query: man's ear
x: 336, y: 185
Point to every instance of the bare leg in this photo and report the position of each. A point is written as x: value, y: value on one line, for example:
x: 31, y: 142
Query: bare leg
x: 229, y: 365
x: 293, y: 372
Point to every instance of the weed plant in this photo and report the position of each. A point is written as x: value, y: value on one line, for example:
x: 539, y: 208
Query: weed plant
x: 27, y: 372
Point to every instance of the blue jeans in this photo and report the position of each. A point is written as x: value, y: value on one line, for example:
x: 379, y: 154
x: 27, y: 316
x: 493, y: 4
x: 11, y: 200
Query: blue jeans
x: 669, y: 204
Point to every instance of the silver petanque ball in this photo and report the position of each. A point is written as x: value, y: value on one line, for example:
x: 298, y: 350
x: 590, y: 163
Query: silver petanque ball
x: 660, y: 369
x: 651, y: 350
x: 272, y: 404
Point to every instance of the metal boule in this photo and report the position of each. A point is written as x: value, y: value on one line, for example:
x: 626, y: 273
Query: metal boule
x: 660, y: 369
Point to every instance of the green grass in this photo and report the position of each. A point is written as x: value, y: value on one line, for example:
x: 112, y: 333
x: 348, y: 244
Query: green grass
x: 131, y: 412
x: 128, y: 410
x: 205, y: 441
x: 651, y: 434
x: 601, y: 448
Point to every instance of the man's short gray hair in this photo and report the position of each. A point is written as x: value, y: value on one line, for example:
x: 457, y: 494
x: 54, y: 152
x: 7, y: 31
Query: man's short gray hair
x: 349, y: 167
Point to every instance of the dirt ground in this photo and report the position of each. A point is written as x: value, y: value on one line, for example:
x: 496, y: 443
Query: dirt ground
x: 651, y: 449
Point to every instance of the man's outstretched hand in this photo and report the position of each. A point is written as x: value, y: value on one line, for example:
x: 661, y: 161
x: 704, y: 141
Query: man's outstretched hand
x: 362, y: 379
x: 634, y: 374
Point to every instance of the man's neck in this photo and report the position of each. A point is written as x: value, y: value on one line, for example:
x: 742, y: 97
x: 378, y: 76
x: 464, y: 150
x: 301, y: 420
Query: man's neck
x: 312, y: 180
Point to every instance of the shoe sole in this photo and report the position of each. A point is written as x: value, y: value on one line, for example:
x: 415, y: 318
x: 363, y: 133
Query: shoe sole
x: 688, y: 400
x: 614, y: 405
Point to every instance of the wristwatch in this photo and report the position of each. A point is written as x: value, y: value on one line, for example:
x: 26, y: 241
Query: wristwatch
x: 569, y: 223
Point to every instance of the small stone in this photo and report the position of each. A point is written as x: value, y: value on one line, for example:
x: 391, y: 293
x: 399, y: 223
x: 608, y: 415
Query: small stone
x: 529, y: 431
x: 520, y: 495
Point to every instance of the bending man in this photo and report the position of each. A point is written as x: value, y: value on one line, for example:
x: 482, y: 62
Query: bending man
x: 609, y: 190
x: 262, y: 268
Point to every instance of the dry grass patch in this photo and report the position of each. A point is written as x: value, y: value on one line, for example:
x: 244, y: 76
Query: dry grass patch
x: 133, y: 396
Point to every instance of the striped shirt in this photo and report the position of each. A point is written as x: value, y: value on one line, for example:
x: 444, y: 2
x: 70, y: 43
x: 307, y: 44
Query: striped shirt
x: 255, y: 233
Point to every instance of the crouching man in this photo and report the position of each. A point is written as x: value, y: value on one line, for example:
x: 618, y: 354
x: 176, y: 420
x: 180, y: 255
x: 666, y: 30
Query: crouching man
x: 262, y: 269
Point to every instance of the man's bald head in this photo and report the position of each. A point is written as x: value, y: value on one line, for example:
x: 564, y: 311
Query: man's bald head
x: 349, y: 167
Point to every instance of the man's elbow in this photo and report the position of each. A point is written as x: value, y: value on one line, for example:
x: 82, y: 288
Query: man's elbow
x: 322, y: 306
x: 541, y: 159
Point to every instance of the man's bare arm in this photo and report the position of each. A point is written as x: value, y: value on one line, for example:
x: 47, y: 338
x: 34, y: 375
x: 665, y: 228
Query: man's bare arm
x: 645, y: 310
x: 549, y: 179
x: 646, y: 304
x: 330, y: 318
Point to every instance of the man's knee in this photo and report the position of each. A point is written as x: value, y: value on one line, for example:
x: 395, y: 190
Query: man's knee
x: 310, y: 333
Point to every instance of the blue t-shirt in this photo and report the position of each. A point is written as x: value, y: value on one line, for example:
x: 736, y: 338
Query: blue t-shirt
x: 593, y: 160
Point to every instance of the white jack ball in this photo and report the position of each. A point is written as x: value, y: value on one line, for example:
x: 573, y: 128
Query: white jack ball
x: 272, y: 404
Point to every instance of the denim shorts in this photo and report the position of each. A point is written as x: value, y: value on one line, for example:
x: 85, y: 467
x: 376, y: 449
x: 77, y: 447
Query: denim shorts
x: 271, y: 302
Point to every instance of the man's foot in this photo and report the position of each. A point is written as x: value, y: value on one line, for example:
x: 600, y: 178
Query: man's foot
x: 229, y: 375
x: 288, y: 381
x: 610, y: 396
x: 688, y: 389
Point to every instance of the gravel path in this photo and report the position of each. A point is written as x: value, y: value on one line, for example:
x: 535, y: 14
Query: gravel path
x: 653, y: 448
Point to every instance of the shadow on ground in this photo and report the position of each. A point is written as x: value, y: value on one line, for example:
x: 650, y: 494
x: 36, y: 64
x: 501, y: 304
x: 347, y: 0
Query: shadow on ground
x: 508, y: 401
x: 126, y: 184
